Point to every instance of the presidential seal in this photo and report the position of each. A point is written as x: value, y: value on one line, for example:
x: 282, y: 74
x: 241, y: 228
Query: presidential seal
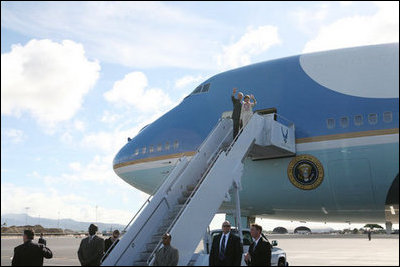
x: 305, y: 172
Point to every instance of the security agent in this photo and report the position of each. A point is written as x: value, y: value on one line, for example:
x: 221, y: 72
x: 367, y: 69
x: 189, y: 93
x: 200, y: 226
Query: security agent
x: 42, y: 240
x: 91, y: 249
x: 260, y: 250
x: 29, y: 253
x: 167, y: 255
x: 226, y: 249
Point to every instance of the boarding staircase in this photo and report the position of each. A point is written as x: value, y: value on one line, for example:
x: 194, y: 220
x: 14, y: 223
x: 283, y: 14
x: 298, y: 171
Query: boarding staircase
x: 187, y: 201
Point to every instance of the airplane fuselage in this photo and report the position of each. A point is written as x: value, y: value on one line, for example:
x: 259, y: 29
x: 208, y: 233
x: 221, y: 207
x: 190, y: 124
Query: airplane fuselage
x: 345, y: 107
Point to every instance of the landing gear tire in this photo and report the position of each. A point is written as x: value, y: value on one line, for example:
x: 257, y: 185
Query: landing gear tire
x: 281, y: 262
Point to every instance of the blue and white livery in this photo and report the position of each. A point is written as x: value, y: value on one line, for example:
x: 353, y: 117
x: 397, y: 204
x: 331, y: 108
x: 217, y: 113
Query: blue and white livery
x: 345, y: 106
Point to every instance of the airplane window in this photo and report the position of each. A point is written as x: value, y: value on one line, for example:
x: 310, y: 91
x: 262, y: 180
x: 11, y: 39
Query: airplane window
x: 387, y: 116
x: 197, y: 90
x: 144, y: 150
x: 159, y: 147
x: 167, y: 146
x: 330, y: 123
x: 176, y: 144
x: 206, y: 87
x: 358, y: 120
x: 373, y: 118
x: 136, y: 151
x: 344, y: 122
x: 151, y: 149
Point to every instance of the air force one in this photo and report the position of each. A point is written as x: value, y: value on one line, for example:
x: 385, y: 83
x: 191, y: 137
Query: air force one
x: 344, y: 105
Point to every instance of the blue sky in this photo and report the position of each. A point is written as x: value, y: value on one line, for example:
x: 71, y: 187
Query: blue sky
x: 78, y: 78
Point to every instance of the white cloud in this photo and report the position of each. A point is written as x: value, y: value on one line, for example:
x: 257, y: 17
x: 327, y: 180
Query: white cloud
x: 88, y: 182
x: 253, y: 42
x: 145, y: 34
x: 67, y: 138
x: 133, y: 91
x: 98, y: 171
x: 382, y: 27
x: 104, y: 141
x: 345, y: 3
x: 15, y: 136
x: 188, y: 80
x: 307, y: 19
x: 110, y: 142
x: 76, y: 166
x: 109, y: 117
x: 15, y: 198
x: 79, y: 125
x: 47, y: 79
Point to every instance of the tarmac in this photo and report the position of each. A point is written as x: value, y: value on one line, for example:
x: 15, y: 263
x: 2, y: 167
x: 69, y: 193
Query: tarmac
x: 301, y: 250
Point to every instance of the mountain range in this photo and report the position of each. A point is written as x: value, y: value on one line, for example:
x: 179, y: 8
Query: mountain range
x: 24, y: 219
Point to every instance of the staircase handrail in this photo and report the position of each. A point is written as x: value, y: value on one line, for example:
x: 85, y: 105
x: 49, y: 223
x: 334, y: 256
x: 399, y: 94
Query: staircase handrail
x: 186, y: 202
x: 147, y: 201
x: 289, y: 123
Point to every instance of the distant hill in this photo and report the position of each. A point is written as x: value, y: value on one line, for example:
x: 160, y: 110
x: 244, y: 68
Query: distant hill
x: 20, y: 219
x: 37, y: 229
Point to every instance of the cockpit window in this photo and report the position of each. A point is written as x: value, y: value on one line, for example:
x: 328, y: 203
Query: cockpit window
x: 197, y: 90
x: 206, y: 87
x: 136, y: 151
x: 201, y: 89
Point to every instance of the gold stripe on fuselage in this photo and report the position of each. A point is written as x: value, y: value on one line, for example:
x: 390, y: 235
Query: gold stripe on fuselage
x: 298, y: 141
x: 170, y: 156
x: 346, y: 135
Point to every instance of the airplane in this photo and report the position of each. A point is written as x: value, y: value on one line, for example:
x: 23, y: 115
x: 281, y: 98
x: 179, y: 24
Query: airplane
x: 344, y: 104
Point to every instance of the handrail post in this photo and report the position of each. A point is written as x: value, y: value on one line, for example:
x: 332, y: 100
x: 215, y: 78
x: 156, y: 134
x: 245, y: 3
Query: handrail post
x: 238, y: 213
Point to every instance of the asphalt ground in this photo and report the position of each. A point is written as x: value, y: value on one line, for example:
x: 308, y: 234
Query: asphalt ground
x: 301, y: 250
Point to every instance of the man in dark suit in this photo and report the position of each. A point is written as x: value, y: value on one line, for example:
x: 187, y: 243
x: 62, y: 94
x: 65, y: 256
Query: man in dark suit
x: 111, y: 243
x: 29, y: 253
x: 237, y: 109
x: 260, y: 250
x: 91, y: 249
x: 42, y: 240
x: 226, y: 249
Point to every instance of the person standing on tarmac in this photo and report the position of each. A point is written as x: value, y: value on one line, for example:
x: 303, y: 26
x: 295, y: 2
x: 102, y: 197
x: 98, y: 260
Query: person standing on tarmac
x: 29, y: 253
x: 42, y: 240
x: 226, y: 249
x: 91, y: 249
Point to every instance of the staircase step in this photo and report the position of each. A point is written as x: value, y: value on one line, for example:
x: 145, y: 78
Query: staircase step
x: 165, y: 225
x: 162, y: 230
x: 177, y: 208
x: 167, y: 222
x: 156, y: 238
x: 225, y: 146
x: 145, y: 256
x: 190, y: 187
x: 151, y: 246
x: 182, y: 200
x: 172, y: 216
x: 187, y: 193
